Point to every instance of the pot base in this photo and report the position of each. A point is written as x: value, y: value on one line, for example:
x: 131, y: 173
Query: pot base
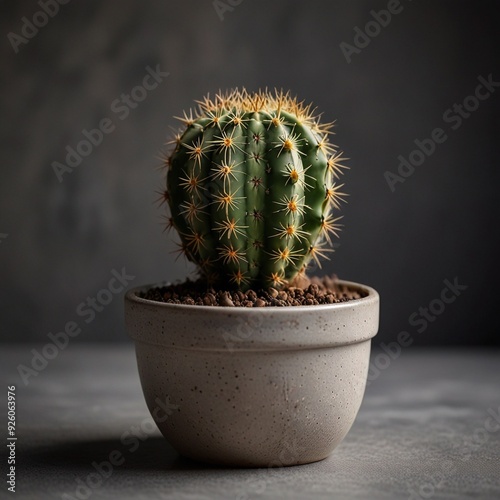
x: 270, y: 409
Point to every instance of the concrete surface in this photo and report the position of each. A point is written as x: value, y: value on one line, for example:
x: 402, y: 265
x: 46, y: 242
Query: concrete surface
x: 429, y: 427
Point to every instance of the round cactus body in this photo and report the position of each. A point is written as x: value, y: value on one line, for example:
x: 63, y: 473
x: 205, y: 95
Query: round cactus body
x: 251, y: 188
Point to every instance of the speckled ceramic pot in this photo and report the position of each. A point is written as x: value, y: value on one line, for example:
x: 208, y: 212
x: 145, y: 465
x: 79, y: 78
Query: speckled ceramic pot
x: 254, y: 387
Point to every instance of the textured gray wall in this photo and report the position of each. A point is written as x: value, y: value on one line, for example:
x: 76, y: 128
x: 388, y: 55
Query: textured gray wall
x: 64, y: 238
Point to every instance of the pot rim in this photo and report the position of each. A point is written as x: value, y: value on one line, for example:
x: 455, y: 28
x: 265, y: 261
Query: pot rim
x: 131, y: 295
x: 223, y: 328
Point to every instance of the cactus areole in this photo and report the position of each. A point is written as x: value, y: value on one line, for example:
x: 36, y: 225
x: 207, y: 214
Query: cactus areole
x: 252, y: 188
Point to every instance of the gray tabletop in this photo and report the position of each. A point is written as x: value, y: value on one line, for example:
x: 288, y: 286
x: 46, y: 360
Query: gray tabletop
x: 429, y: 427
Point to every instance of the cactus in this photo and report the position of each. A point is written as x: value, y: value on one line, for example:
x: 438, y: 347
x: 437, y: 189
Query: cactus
x: 251, y: 186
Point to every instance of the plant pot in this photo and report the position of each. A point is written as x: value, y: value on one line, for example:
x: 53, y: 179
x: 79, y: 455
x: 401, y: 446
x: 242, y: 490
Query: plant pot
x: 254, y: 387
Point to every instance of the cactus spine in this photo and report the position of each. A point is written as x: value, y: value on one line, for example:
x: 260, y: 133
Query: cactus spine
x: 251, y: 186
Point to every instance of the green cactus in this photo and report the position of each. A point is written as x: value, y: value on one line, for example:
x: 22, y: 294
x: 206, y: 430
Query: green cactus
x: 251, y: 188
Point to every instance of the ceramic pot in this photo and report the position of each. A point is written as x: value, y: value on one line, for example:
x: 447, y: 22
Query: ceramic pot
x: 254, y: 387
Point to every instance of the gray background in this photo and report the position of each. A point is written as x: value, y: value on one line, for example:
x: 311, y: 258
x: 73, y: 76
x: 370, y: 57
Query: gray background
x: 65, y: 238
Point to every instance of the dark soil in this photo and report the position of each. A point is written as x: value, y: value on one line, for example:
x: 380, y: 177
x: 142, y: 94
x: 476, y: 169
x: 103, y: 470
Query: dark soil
x: 319, y: 291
